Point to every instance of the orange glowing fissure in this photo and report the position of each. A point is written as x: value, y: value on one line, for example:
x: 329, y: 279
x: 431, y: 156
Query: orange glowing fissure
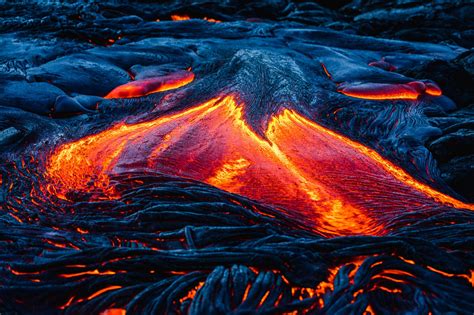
x: 113, y: 311
x: 151, y: 85
x: 89, y: 272
x: 109, y: 288
x: 333, y: 184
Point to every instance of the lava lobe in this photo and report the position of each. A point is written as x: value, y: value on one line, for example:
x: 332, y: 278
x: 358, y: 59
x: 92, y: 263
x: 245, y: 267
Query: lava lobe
x: 334, y: 185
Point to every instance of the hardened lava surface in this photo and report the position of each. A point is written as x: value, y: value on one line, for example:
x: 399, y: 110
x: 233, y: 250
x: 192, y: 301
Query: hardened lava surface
x: 236, y: 158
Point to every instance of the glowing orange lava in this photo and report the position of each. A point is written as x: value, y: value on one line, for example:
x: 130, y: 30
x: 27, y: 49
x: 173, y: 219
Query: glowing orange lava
x: 191, y: 293
x: 89, y: 272
x: 212, y: 20
x: 385, y: 91
x: 433, y: 89
x: 335, y: 185
x: 114, y: 311
x: 177, y: 17
x: 151, y: 85
x: 109, y: 288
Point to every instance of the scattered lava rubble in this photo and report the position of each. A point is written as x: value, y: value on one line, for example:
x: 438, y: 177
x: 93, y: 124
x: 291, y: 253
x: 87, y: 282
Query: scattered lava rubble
x: 224, y: 157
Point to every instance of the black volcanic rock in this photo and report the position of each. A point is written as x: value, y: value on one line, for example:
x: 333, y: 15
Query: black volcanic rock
x: 458, y: 143
x: 80, y: 74
x: 9, y: 135
x: 433, y: 21
x: 466, y: 60
x: 451, y: 76
x: 36, y: 97
x: 459, y: 173
x: 454, y: 149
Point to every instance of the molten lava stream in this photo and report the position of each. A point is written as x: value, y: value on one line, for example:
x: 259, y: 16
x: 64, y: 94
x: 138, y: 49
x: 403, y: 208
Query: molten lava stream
x: 152, y: 85
x: 335, y: 185
x: 385, y: 91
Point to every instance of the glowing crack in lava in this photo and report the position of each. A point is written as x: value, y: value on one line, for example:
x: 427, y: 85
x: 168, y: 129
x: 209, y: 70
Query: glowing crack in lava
x: 334, y: 185
x: 151, y: 85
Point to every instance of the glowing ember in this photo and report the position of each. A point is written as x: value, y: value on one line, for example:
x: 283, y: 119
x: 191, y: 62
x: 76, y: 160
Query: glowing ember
x: 384, y: 91
x: 335, y: 185
x: 152, y: 85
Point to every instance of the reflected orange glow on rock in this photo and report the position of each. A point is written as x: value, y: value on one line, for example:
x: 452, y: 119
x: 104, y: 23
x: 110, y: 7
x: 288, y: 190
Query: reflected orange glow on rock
x: 336, y: 186
x: 382, y: 64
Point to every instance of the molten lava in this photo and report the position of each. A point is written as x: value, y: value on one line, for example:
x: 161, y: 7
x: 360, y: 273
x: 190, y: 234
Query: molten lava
x: 212, y: 20
x: 177, y: 17
x: 385, y: 91
x: 334, y: 185
x: 114, y: 311
x: 151, y: 85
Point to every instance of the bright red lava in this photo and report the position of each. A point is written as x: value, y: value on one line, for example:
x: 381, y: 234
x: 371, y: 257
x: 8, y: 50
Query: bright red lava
x: 333, y: 184
x: 386, y: 91
x: 152, y: 85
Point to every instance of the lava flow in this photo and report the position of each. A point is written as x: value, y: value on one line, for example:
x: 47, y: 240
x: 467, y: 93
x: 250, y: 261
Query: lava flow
x: 333, y: 184
x: 151, y: 85
x: 177, y: 17
x: 384, y: 91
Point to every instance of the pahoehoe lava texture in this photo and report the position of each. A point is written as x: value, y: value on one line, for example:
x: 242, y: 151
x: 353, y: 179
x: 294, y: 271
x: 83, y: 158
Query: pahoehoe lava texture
x: 270, y: 157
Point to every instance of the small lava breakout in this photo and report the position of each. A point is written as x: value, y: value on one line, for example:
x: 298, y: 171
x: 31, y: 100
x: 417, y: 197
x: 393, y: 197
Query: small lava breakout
x: 258, y: 157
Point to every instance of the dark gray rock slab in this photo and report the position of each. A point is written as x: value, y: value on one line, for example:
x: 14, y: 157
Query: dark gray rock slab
x: 35, y: 97
x: 81, y: 74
